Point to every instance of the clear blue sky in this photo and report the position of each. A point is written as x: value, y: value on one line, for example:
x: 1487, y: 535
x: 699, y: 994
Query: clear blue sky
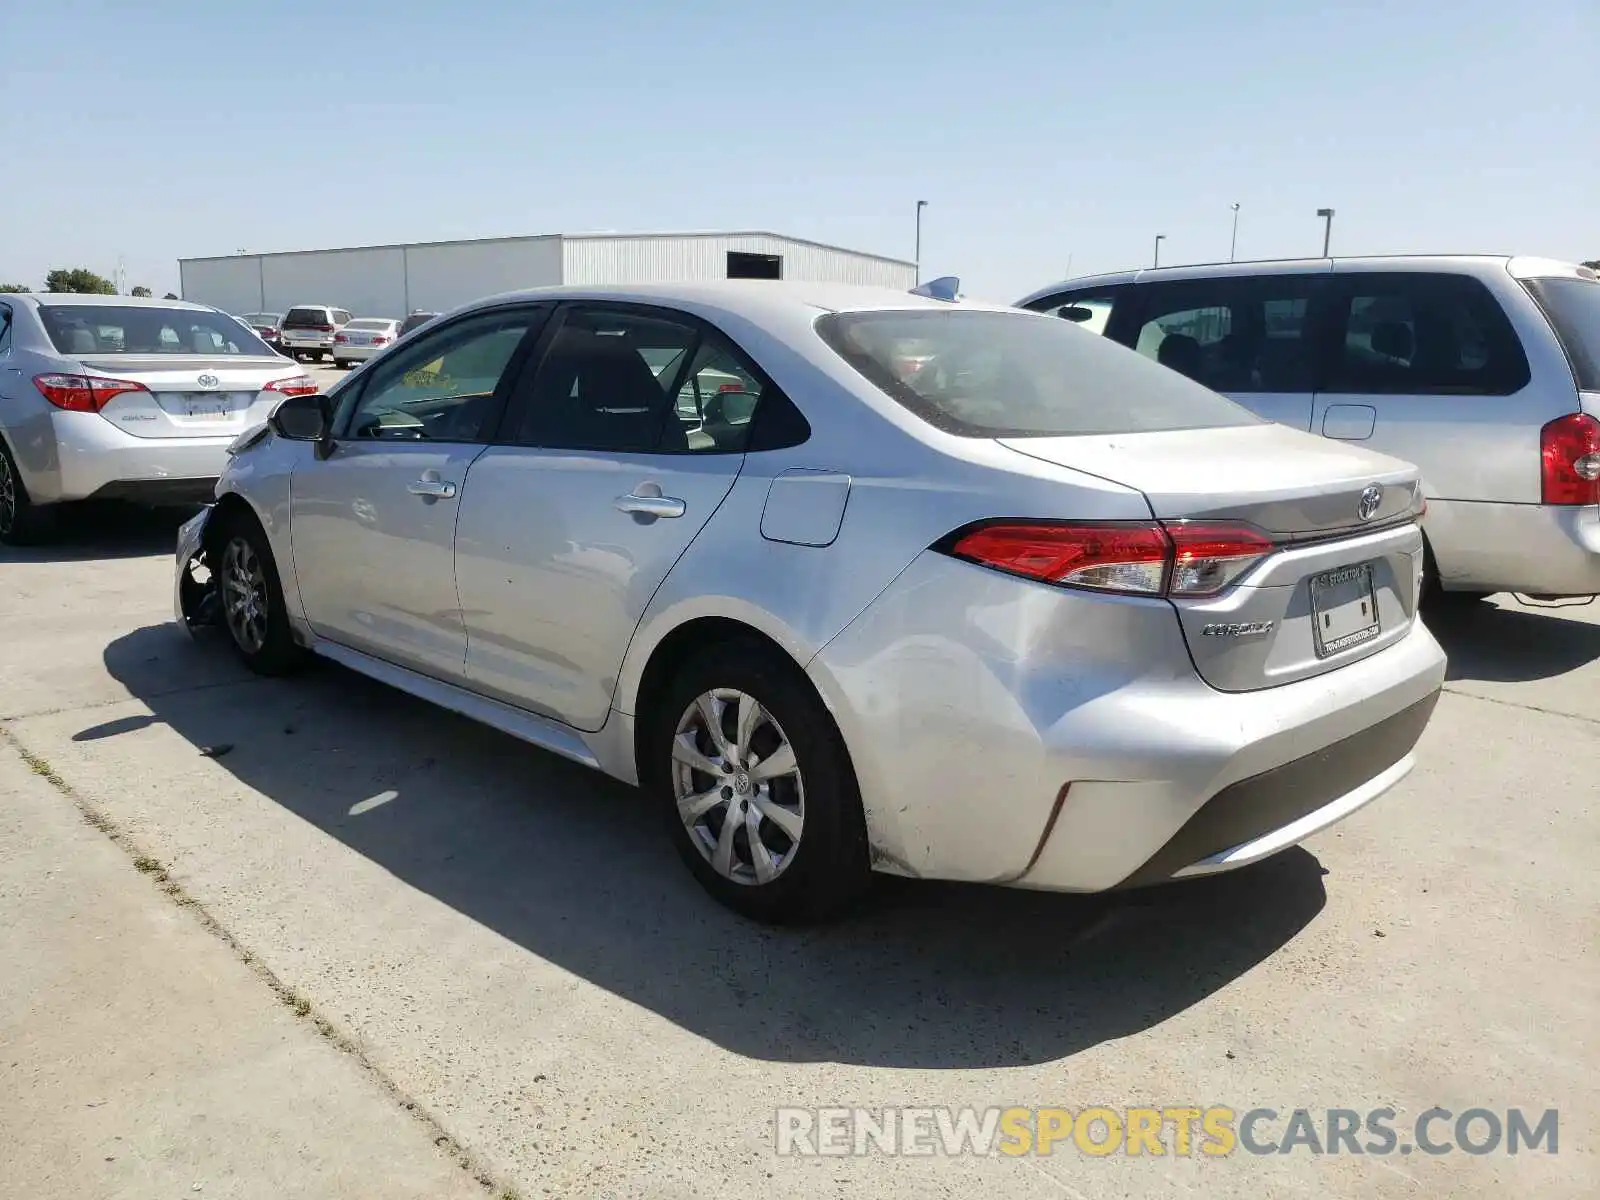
x: 1035, y: 130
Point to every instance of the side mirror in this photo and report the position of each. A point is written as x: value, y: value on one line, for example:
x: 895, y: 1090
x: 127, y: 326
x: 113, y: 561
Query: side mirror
x: 1076, y: 313
x: 302, y: 418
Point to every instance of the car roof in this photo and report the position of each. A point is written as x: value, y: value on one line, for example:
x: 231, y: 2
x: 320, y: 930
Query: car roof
x: 72, y: 298
x: 749, y: 299
x: 1520, y: 267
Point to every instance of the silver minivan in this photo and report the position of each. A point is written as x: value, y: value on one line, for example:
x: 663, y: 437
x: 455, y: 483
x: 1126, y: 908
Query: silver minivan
x: 1484, y: 371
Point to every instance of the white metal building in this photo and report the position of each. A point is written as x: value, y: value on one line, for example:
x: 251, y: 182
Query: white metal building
x: 391, y: 281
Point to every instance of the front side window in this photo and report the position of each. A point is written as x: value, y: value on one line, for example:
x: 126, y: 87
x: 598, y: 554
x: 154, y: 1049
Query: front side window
x: 1087, y: 312
x: 1238, y: 335
x: 442, y: 388
x: 976, y: 373
x: 630, y: 382
x: 80, y: 329
x: 1419, y: 334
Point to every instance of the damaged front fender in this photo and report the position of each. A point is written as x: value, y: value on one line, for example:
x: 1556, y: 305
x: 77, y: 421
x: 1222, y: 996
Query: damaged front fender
x: 194, y: 592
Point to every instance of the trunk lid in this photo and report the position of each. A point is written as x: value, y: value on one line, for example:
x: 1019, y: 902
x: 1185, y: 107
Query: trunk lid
x: 1341, y: 585
x: 191, y: 396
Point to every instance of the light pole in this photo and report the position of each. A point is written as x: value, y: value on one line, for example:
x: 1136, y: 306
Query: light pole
x: 1160, y: 237
x: 1233, y: 243
x: 921, y: 204
x: 1327, y: 229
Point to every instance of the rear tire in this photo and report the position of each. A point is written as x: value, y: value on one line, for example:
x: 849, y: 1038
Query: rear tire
x: 797, y: 851
x: 250, y: 597
x: 22, y: 522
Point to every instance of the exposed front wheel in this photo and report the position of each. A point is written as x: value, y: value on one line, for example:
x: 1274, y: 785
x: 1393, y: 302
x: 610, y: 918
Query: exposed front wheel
x: 760, y: 794
x: 250, y: 598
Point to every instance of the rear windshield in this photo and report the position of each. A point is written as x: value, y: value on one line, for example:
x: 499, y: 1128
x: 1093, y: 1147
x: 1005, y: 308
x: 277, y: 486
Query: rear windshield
x: 79, y: 329
x: 370, y: 323
x: 1573, y: 306
x: 415, y: 320
x: 307, y: 316
x: 262, y: 318
x: 996, y: 374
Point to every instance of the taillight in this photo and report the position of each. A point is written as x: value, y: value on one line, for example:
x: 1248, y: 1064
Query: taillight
x: 295, y: 385
x: 1569, y: 456
x: 1147, y: 558
x: 380, y: 340
x: 339, y: 337
x: 83, y: 393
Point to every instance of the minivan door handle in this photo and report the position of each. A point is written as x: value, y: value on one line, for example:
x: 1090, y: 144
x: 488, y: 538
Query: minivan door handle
x: 643, y: 504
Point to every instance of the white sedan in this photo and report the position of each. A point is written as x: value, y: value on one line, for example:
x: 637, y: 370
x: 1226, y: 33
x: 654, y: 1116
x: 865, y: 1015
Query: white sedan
x: 363, y: 338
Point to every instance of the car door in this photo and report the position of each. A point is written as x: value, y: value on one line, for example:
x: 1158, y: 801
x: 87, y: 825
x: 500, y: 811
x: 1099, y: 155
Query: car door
x: 373, y: 522
x: 1425, y: 366
x: 605, y: 471
x: 1250, y: 337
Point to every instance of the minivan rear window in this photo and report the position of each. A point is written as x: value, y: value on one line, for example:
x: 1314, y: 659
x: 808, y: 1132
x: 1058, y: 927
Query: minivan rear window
x: 1573, y: 308
x: 976, y: 373
x: 99, y: 329
x: 306, y: 316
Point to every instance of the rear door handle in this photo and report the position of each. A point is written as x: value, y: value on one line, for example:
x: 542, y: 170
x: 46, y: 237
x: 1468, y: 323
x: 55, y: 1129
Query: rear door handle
x: 650, y: 506
x: 433, y: 489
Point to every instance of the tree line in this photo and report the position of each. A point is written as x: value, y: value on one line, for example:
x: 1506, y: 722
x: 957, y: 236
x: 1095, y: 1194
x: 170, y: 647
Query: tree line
x: 80, y: 280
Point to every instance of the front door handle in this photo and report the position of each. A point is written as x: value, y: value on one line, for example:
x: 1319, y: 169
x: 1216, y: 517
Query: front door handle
x: 650, y: 506
x: 432, y: 489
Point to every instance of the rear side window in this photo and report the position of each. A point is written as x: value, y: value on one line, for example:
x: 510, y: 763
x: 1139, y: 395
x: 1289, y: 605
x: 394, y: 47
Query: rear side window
x: 302, y: 317
x: 5, y: 329
x: 1088, y: 311
x: 1573, y: 308
x: 340, y: 317
x: 1241, y: 335
x: 1419, y: 334
x: 1011, y: 374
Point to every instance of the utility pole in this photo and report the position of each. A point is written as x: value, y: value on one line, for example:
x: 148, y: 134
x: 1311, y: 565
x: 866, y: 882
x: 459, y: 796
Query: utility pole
x: 921, y: 204
x: 1233, y: 243
x: 1327, y: 229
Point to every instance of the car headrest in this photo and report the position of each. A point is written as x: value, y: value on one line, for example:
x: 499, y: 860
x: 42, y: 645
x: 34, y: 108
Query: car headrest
x: 1393, y: 339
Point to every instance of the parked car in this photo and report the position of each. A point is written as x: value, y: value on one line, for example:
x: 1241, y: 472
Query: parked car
x: 309, y: 329
x: 362, y: 338
x: 122, y: 398
x: 267, y: 327
x: 416, y: 321
x: 1045, y: 615
x: 1485, y: 371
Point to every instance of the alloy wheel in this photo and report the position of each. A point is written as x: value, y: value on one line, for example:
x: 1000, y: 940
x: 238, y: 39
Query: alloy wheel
x: 738, y: 786
x: 245, y: 602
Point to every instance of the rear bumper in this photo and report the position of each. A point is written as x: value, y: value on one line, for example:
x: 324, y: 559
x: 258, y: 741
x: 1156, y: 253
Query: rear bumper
x: 307, y: 341
x: 358, y: 353
x: 1488, y: 547
x: 96, y: 460
x: 1007, y: 732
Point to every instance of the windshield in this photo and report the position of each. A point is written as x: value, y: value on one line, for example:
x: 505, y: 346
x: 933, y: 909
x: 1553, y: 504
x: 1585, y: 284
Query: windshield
x: 996, y: 374
x: 1573, y: 307
x: 370, y: 323
x: 79, y: 329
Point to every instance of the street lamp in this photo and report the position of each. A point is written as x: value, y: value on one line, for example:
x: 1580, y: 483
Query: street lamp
x: 1160, y: 237
x: 921, y: 204
x: 1327, y: 229
x: 1233, y: 244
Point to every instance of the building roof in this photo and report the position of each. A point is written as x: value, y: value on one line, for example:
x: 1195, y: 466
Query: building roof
x: 604, y: 235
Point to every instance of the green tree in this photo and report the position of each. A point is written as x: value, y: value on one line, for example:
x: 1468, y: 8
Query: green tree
x: 171, y: 296
x: 1593, y: 264
x: 78, y: 279
x: 15, y: 287
x: 140, y: 291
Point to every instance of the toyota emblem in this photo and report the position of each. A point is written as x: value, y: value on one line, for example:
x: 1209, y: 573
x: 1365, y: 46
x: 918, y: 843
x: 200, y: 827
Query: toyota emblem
x: 208, y: 381
x: 1369, y: 504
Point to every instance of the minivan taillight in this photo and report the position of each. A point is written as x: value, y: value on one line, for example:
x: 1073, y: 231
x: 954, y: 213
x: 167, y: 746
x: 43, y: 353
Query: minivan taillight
x: 1146, y: 558
x: 83, y: 393
x: 1569, y: 460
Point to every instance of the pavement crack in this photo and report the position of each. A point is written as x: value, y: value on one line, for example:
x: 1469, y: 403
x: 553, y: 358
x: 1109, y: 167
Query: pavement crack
x: 1549, y: 712
x: 151, y: 867
x: 157, y: 694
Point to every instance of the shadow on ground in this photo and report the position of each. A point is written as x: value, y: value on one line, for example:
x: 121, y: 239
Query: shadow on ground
x: 577, y: 869
x: 1513, y: 644
x: 89, y: 532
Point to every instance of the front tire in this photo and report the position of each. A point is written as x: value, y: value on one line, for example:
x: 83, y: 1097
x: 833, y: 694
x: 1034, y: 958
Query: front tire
x: 757, y: 786
x: 22, y: 522
x: 250, y: 598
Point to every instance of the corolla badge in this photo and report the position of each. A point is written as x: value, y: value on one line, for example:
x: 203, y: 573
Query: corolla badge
x: 1371, y: 501
x: 1238, y: 629
x: 208, y: 381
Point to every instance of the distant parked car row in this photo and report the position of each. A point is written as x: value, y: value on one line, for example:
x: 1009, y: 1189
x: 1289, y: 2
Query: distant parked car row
x: 316, y: 331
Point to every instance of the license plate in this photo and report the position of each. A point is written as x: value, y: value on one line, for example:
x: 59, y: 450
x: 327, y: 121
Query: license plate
x: 1344, y: 609
x: 208, y: 407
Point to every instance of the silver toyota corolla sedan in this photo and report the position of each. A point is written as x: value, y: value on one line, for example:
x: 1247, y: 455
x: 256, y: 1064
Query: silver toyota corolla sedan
x: 848, y: 580
x: 115, y: 397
